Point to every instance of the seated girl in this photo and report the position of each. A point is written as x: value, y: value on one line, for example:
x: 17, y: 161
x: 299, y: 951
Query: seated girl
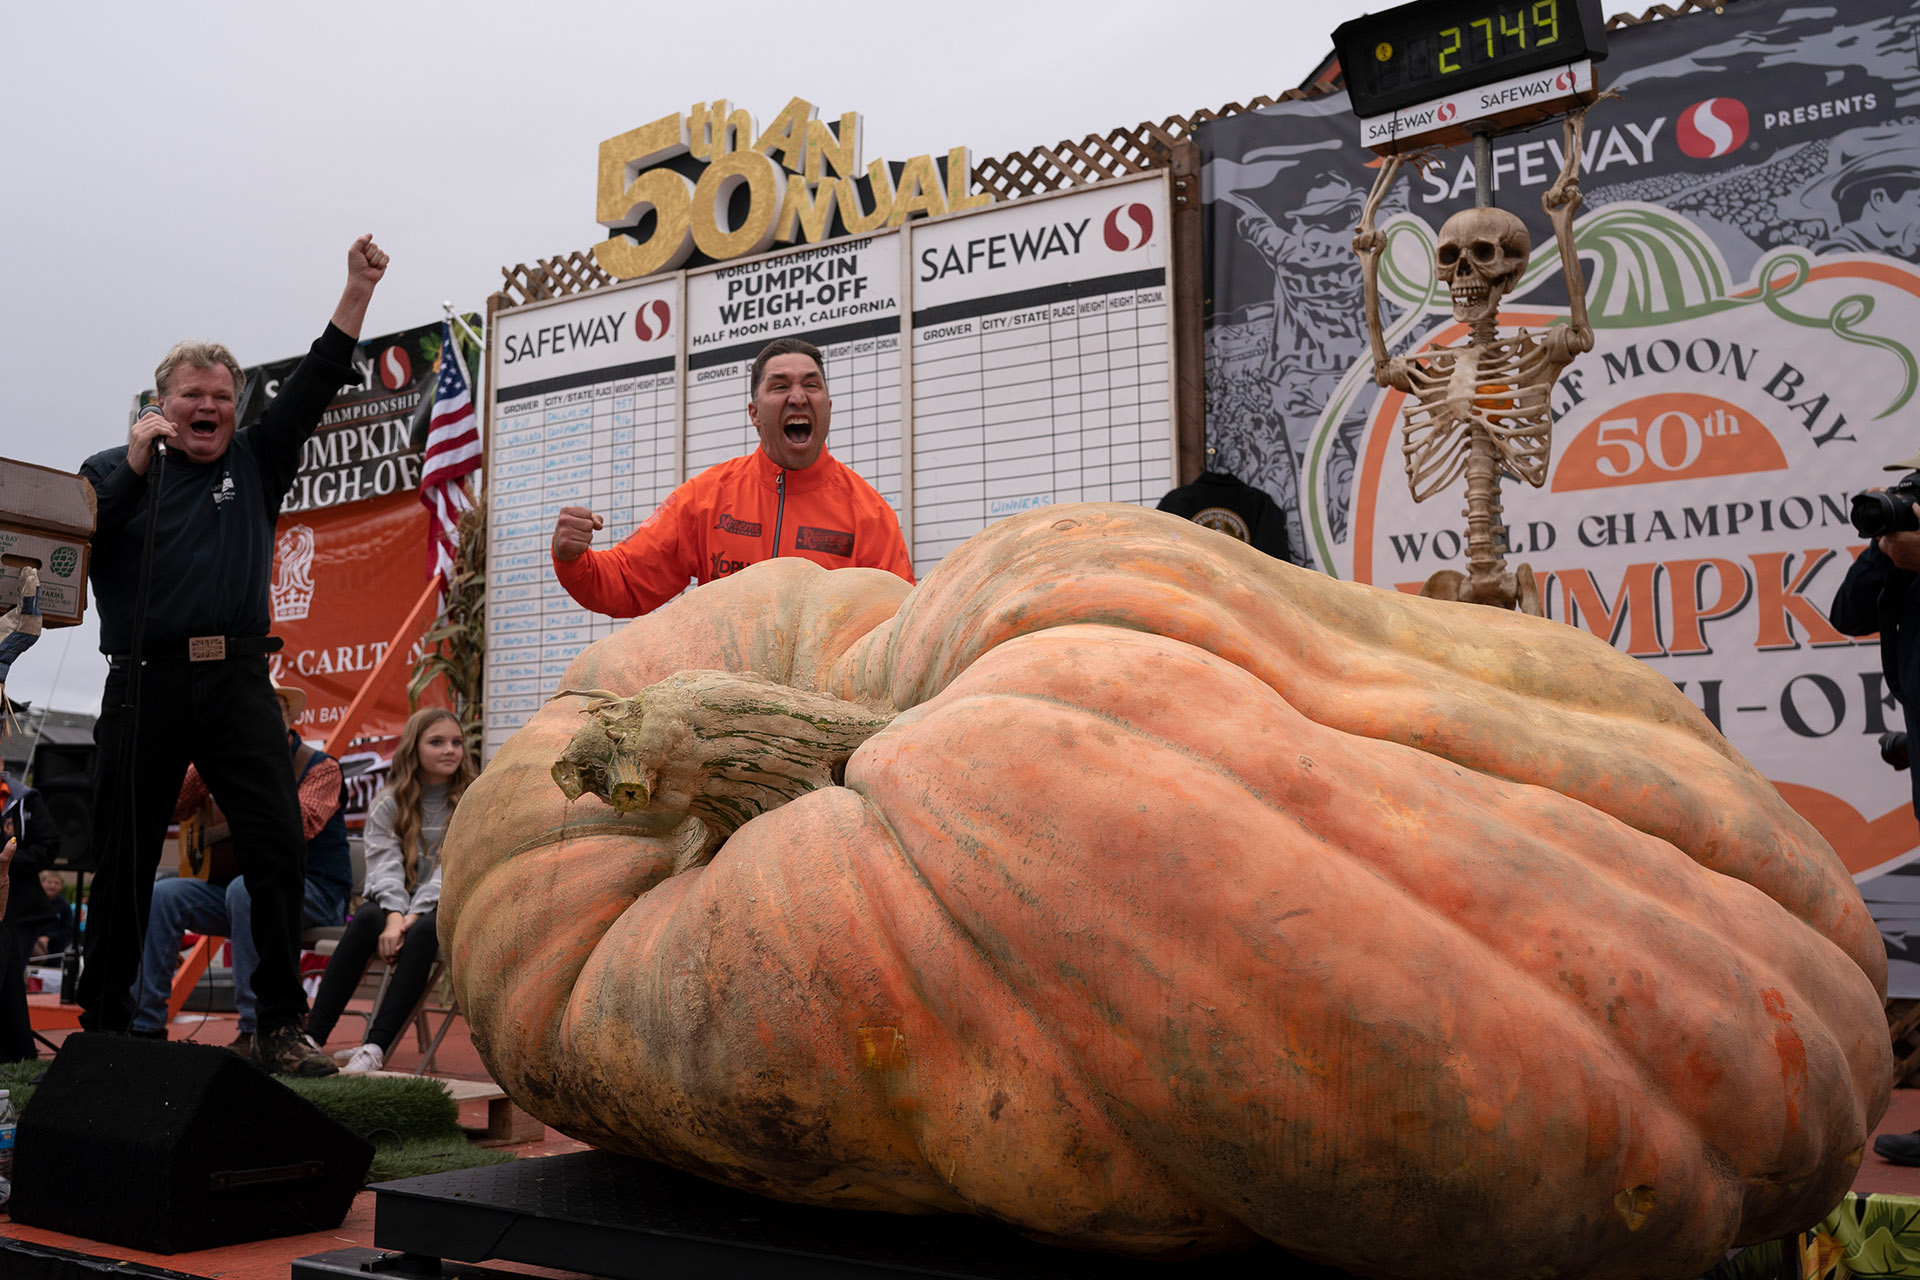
x: 405, y: 825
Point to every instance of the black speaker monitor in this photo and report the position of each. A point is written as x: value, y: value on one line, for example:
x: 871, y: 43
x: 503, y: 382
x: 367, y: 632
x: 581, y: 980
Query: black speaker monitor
x: 70, y: 804
x: 171, y: 1147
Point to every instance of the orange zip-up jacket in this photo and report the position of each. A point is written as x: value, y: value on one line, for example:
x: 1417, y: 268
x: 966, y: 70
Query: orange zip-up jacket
x: 738, y: 513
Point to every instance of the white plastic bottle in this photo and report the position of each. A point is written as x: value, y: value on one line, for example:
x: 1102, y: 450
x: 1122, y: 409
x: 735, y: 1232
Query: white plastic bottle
x: 7, y: 1125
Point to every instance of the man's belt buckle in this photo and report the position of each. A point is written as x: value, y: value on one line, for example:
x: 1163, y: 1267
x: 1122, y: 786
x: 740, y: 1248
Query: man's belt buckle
x: 206, y: 648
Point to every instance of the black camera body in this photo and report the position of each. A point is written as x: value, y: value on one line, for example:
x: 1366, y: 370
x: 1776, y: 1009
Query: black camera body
x: 1890, y: 510
x: 1893, y: 750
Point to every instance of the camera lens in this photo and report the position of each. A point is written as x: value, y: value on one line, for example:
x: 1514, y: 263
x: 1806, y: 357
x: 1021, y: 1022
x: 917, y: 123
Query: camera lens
x: 1875, y: 514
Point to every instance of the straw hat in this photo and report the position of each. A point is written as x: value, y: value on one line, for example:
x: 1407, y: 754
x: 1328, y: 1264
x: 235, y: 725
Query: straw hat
x: 292, y: 701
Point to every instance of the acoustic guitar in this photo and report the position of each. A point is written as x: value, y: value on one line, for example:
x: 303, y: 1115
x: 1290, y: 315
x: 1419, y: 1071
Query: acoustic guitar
x: 206, y: 846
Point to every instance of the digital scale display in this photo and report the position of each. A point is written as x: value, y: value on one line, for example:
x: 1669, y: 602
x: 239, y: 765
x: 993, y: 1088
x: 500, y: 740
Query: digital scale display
x: 1433, y: 48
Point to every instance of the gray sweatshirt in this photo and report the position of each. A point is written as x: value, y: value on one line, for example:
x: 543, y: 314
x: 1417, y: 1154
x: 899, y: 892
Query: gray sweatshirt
x: 386, y: 869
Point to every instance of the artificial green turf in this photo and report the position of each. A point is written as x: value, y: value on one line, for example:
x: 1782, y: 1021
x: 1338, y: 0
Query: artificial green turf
x: 17, y: 1079
x: 413, y: 1123
x: 375, y: 1107
x: 419, y: 1156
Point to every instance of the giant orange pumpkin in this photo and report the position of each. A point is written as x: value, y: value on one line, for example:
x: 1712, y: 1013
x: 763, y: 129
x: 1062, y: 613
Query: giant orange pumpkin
x: 1189, y: 897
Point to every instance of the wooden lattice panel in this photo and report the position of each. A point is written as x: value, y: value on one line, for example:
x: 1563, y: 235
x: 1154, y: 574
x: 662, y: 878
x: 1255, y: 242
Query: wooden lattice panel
x: 1073, y: 164
x: 570, y: 273
x: 1620, y: 20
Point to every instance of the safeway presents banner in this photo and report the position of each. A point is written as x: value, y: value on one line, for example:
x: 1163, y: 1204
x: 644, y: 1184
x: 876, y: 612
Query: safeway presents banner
x: 352, y: 539
x: 1749, y: 239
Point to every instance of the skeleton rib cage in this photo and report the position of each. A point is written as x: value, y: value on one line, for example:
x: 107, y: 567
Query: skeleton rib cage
x: 1502, y: 388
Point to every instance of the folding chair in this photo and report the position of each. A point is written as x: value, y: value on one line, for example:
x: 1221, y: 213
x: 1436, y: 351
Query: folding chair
x: 424, y: 1011
x: 322, y: 939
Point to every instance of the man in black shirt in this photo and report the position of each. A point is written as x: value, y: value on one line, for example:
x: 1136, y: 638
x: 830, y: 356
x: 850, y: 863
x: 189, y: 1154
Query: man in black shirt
x: 204, y: 694
x: 1225, y: 504
x: 1881, y: 592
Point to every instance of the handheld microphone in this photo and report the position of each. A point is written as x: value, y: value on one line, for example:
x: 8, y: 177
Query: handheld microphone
x: 160, y: 445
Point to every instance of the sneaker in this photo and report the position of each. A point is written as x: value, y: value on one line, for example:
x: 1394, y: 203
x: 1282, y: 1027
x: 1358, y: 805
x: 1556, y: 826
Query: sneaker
x: 242, y: 1045
x: 286, y: 1051
x: 368, y: 1057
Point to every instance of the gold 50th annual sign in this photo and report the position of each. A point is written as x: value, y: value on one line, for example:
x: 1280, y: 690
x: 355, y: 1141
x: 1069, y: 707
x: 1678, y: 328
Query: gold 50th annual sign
x: 804, y: 181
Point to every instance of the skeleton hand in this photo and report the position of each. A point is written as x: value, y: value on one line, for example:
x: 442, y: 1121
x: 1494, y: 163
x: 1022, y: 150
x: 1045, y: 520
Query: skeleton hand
x: 1393, y: 373
x: 1563, y: 343
x: 1564, y: 192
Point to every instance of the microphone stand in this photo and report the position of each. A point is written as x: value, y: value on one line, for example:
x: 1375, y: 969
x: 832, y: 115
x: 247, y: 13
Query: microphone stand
x: 123, y: 809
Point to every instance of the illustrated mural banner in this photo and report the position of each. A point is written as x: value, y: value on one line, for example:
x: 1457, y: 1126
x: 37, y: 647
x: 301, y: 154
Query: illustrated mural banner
x: 1750, y: 238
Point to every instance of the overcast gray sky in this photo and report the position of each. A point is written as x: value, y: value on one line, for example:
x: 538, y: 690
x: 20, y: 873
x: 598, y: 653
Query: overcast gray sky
x: 198, y: 169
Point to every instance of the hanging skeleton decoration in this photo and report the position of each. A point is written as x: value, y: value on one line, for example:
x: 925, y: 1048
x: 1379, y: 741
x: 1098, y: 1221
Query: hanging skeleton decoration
x: 1482, y: 407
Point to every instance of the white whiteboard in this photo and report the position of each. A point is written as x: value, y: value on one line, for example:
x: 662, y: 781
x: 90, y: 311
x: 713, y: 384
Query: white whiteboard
x: 1007, y: 358
x: 1041, y: 361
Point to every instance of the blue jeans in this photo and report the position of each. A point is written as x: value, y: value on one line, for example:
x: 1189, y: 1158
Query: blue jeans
x: 182, y: 904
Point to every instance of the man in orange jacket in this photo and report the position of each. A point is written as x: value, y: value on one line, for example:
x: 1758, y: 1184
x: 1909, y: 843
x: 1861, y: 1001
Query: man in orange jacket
x: 789, y: 497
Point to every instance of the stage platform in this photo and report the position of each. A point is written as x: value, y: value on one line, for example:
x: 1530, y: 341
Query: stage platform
x: 625, y: 1219
x: 531, y: 1219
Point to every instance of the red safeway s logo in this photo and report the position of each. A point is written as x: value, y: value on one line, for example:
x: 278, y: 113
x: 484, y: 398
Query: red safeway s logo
x: 1446, y: 112
x: 1713, y: 128
x: 1128, y: 226
x: 651, y: 320
x: 1564, y: 82
x: 396, y: 371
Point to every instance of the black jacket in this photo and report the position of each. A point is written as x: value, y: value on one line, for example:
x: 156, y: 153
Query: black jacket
x: 38, y: 844
x: 1877, y: 596
x: 1224, y: 504
x: 213, y: 543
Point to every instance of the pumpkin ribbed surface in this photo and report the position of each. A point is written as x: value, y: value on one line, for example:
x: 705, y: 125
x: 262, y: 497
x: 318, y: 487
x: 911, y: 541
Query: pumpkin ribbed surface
x: 1189, y: 897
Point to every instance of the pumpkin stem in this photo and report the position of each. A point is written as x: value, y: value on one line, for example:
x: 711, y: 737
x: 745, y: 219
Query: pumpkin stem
x: 714, y: 745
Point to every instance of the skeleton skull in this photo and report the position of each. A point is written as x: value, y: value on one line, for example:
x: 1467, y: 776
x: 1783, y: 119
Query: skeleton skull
x: 1481, y: 257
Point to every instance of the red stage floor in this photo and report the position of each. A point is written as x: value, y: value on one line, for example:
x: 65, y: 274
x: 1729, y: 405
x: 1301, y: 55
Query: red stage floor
x: 271, y: 1259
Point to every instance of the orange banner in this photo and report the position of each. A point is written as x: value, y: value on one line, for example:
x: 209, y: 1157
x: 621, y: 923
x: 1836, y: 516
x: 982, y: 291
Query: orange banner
x: 344, y: 580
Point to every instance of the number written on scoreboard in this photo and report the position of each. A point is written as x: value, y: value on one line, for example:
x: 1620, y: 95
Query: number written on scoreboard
x: 1430, y: 49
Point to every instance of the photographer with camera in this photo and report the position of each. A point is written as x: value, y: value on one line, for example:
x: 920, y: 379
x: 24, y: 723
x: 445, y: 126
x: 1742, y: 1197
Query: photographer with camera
x: 1881, y: 592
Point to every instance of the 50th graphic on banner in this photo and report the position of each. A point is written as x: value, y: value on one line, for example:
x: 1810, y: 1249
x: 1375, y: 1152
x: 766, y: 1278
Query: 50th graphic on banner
x: 1753, y: 288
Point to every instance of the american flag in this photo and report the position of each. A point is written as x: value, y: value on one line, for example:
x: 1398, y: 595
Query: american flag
x: 453, y: 449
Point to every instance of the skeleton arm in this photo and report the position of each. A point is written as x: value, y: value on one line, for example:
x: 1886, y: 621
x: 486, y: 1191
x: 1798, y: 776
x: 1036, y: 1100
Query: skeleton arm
x: 1562, y: 202
x: 1368, y: 244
